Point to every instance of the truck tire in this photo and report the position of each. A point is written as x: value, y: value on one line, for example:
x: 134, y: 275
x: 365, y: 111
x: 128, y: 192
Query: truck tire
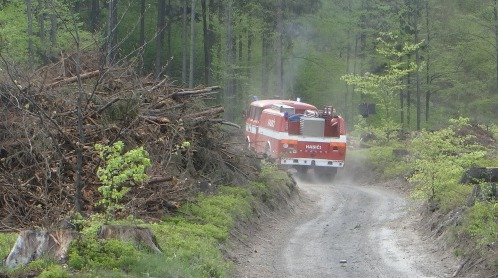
x: 301, y: 170
x: 326, y: 174
x: 267, y: 151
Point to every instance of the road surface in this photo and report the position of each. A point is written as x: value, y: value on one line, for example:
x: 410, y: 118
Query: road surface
x: 343, y: 230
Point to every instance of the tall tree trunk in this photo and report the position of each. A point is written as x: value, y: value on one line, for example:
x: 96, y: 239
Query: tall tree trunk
x: 168, y: 32
x: 417, y: 61
x: 95, y: 15
x: 212, y: 36
x: 141, y: 40
x: 41, y: 21
x: 112, y: 22
x: 161, y: 8
x: 77, y: 6
x: 280, y: 49
x: 495, y: 12
x: 192, y: 45
x: 53, y: 24
x: 230, y: 61
x: 427, y: 63
x: 355, y: 67
x: 240, y: 49
x: 239, y: 62
x: 402, y: 108
x: 265, y: 64
x: 348, y: 71
x: 78, y: 198
x: 250, y: 37
x: 184, y: 40
x: 408, y: 96
x: 206, y: 42
x: 29, y: 14
x: 212, y: 8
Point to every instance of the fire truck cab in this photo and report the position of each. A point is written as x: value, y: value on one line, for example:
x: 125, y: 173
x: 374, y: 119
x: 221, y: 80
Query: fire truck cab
x: 298, y: 135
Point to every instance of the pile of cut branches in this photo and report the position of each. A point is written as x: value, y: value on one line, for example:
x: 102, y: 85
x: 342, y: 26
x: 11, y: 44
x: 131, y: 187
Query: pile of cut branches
x: 52, y: 119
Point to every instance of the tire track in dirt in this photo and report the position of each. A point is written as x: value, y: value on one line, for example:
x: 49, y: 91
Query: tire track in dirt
x: 343, y: 230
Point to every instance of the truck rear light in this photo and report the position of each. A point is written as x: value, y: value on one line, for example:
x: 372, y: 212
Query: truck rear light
x: 290, y: 146
x: 338, y: 147
x: 291, y: 150
x: 289, y: 142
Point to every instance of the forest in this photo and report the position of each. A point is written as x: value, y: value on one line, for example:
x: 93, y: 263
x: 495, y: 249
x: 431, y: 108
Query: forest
x: 420, y: 62
x: 168, y: 81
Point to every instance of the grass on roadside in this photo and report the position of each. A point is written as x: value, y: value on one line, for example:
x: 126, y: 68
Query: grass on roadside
x: 190, y: 240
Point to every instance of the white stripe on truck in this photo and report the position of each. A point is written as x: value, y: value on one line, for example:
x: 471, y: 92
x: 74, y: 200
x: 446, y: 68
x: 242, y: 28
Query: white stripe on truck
x: 279, y: 135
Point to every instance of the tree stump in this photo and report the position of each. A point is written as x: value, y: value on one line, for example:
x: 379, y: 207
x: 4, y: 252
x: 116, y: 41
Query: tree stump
x: 484, y: 180
x: 480, y: 174
x: 31, y: 245
x: 138, y: 235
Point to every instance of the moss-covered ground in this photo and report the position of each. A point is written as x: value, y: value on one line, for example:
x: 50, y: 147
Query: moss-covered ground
x: 191, y: 239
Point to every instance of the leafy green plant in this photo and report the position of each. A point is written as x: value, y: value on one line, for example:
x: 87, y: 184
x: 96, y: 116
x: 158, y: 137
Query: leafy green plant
x: 481, y: 222
x: 120, y: 172
x: 54, y: 271
x: 385, y: 87
x: 440, y: 160
x: 382, y: 160
x: 91, y: 253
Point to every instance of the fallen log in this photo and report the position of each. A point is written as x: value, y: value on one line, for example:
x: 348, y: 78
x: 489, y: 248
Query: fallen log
x: 223, y: 122
x: 73, y: 79
x: 210, y: 113
x: 155, y: 180
x: 200, y: 92
x: 156, y: 119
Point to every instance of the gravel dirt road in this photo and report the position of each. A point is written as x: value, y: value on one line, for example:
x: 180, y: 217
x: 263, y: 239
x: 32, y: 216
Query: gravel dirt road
x: 342, y: 230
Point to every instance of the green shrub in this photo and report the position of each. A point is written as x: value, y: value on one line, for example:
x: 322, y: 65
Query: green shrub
x: 54, y: 271
x: 42, y: 266
x: 494, y: 131
x: 382, y: 160
x: 120, y: 172
x: 440, y: 160
x: 164, y: 266
x: 90, y: 253
x: 481, y: 222
x: 382, y: 133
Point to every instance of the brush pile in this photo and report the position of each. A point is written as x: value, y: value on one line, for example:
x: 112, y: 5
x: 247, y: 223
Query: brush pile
x: 49, y: 117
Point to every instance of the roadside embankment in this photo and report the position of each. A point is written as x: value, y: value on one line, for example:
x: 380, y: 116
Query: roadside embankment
x: 194, y: 240
x: 429, y: 166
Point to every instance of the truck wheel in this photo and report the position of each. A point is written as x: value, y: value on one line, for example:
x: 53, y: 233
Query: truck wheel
x: 326, y: 174
x: 267, y: 152
x: 301, y: 170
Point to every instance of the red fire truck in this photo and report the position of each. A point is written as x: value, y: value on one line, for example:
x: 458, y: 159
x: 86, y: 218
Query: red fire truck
x: 298, y: 135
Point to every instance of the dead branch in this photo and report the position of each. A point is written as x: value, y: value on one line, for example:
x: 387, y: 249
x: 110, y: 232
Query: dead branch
x: 73, y: 79
x: 39, y: 138
x: 200, y: 92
